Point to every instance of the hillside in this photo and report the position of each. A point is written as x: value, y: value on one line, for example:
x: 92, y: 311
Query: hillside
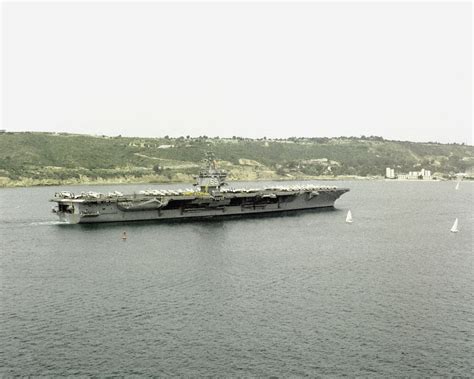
x: 46, y: 158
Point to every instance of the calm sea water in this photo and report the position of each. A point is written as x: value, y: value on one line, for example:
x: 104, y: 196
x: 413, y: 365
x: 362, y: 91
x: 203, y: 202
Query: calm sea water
x: 307, y: 294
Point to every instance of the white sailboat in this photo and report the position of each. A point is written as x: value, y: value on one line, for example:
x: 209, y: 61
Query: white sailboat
x: 349, y: 217
x: 454, y: 229
x: 457, y: 185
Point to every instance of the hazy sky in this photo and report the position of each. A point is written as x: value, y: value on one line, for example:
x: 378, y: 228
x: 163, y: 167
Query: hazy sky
x: 399, y: 70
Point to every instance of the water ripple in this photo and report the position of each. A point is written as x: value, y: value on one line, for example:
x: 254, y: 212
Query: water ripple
x: 308, y: 295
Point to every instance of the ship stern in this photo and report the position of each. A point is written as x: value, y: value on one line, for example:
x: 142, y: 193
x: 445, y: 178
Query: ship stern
x: 66, y: 211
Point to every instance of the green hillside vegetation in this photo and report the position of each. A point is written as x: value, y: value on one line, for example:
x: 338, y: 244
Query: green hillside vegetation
x: 47, y: 158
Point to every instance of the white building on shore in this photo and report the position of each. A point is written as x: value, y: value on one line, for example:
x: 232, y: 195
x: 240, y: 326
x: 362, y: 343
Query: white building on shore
x: 416, y: 175
x: 389, y: 173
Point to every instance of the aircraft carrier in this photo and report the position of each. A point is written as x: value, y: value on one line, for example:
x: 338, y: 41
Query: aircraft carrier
x: 210, y: 198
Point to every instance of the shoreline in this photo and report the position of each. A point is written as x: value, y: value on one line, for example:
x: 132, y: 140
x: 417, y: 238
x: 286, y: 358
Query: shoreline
x: 28, y: 182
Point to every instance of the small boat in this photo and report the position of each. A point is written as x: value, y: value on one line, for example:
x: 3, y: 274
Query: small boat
x: 349, y: 217
x: 457, y: 185
x: 454, y: 229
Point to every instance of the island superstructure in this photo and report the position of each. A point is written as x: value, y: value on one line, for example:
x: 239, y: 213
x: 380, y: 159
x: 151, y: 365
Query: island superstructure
x: 210, y: 197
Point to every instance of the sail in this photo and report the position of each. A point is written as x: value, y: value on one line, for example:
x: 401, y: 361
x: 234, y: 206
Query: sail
x: 457, y: 185
x: 454, y: 229
x: 349, y: 217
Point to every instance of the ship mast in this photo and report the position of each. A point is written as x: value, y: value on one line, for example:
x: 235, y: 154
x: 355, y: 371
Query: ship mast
x: 210, y: 178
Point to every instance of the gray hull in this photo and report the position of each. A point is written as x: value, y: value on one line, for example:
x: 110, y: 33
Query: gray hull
x: 133, y: 208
